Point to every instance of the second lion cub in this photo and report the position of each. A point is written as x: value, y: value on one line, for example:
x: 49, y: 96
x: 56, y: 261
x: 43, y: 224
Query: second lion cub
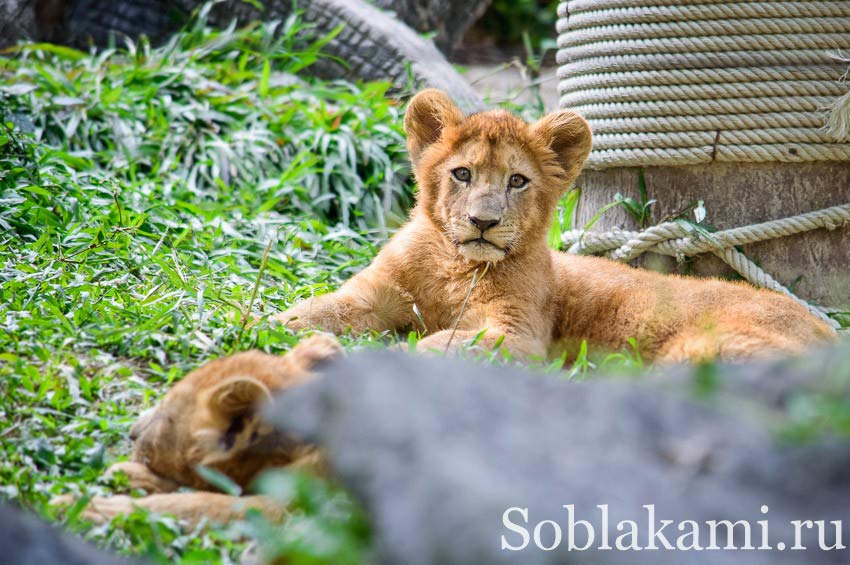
x: 488, y: 186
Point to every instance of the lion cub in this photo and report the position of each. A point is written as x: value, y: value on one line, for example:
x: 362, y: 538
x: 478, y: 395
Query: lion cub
x: 211, y: 418
x: 488, y: 185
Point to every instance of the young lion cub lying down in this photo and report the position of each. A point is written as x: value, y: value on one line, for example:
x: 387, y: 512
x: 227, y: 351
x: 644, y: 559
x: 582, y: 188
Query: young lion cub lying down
x: 211, y: 418
x: 488, y: 185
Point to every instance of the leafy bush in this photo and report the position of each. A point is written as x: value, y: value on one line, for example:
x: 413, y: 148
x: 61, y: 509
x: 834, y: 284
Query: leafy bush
x: 215, y: 111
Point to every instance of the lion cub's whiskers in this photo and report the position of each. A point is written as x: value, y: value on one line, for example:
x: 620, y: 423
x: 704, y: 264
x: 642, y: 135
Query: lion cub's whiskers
x: 475, y: 281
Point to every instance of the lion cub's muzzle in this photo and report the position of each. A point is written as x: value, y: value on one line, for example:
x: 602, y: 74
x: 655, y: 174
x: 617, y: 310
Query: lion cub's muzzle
x: 484, y: 237
x: 483, y: 226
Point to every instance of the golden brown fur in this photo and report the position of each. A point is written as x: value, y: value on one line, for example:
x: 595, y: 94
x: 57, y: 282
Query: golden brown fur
x: 211, y: 418
x: 541, y: 301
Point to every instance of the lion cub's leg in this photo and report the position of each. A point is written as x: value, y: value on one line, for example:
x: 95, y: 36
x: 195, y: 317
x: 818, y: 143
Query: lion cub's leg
x: 365, y: 302
x: 189, y: 507
x: 696, y: 345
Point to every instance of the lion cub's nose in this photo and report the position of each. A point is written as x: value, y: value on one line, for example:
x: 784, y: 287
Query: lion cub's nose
x: 483, y: 224
x: 142, y: 423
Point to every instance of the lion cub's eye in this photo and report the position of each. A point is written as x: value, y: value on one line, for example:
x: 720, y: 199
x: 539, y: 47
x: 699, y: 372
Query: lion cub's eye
x: 517, y: 181
x: 462, y: 174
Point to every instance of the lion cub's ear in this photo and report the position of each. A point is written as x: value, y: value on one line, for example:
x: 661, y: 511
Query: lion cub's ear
x: 427, y: 115
x: 568, y: 135
x: 237, y: 395
x: 232, y: 423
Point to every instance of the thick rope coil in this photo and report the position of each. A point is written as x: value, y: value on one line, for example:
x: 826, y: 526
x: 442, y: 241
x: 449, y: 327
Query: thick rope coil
x: 683, y: 82
x: 680, y: 240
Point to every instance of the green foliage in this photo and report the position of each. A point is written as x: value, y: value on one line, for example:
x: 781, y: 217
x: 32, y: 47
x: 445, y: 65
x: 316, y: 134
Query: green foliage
x: 325, y: 528
x: 564, y: 218
x: 821, y: 411
x: 639, y: 210
x: 507, y: 20
x: 842, y: 317
x: 705, y: 380
x: 627, y: 362
x: 160, y: 197
x: 221, y: 111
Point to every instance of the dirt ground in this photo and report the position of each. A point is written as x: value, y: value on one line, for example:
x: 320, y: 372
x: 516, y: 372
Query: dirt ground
x: 499, y: 82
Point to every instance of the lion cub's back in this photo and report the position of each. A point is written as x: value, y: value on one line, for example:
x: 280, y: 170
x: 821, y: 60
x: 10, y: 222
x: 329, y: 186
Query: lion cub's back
x: 609, y: 302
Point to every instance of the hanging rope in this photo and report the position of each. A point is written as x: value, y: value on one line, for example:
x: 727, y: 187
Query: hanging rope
x: 683, y: 82
x: 680, y: 240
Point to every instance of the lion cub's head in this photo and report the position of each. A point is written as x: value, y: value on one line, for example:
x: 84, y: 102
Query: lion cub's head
x: 491, y: 181
x: 211, y: 416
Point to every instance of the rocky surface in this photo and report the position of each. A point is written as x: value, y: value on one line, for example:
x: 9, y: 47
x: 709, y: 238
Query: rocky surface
x: 372, y: 45
x: 26, y: 540
x: 17, y: 20
x: 437, y: 450
x: 448, y: 20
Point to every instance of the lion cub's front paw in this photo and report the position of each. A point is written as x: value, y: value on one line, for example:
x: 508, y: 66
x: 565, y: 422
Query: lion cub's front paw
x: 318, y: 348
x: 437, y: 345
x: 139, y: 476
x: 62, y: 501
x: 99, y: 510
x: 292, y: 322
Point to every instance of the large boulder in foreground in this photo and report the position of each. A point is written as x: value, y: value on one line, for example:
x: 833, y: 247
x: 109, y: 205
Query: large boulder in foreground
x: 438, y: 450
x: 26, y: 540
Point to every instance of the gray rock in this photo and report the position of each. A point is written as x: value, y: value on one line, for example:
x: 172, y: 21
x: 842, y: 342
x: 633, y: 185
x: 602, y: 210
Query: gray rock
x: 17, y: 20
x: 447, y: 19
x: 437, y: 450
x: 26, y: 540
x: 396, y: 53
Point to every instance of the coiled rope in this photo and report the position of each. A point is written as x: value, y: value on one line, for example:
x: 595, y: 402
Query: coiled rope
x: 683, y: 82
x: 680, y: 240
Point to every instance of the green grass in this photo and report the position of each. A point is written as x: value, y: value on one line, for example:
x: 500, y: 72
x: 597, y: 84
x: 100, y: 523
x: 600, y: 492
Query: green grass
x: 139, y: 191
